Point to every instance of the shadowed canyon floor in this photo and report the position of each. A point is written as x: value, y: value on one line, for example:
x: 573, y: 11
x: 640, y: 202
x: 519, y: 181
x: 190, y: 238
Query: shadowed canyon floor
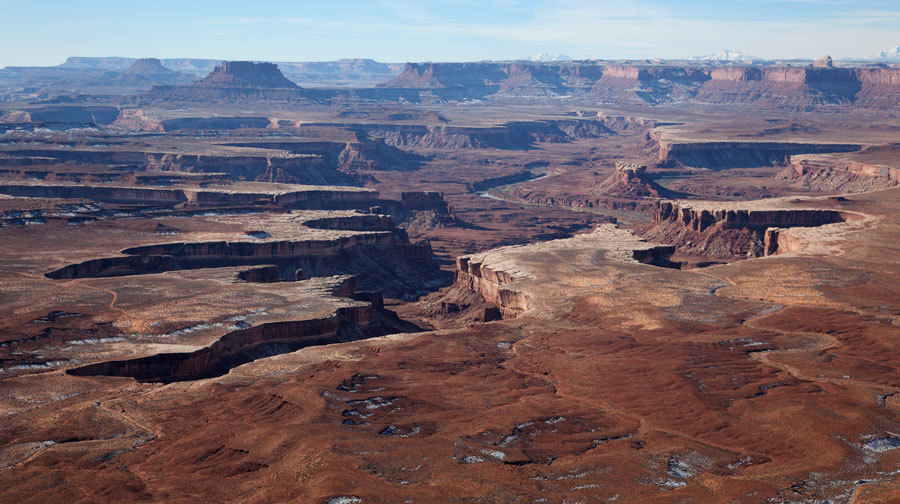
x: 268, y: 300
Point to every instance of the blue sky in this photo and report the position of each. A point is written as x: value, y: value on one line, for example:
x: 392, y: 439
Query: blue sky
x: 36, y: 32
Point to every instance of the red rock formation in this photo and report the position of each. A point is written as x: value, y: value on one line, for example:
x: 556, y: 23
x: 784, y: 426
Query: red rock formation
x: 701, y: 219
x: 630, y: 181
x: 727, y: 233
x: 490, y: 284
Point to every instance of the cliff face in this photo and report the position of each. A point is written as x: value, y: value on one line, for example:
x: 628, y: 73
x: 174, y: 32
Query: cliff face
x: 722, y: 155
x: 491, y: 285
x: 330, y: 198
x: 701, y: 219
x: 727, y: 233
x: 359, y: 320
x: 378, y: 253
x: 852, y: 173
x: 513, y: 135
x: 297, y: 169
x: 214, y: 123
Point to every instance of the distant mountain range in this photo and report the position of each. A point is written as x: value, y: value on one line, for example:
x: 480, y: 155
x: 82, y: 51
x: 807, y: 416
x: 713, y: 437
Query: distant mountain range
x: 890, y: 55
x: 547, y: 57
x: 726, y: 55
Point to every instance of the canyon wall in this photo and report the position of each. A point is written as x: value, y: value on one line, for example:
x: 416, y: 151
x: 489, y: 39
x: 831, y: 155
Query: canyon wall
x: 729, y: 230
x: 700, y: 219
x: 723, y: 155
x: 236, y: 348
x: 491, y: 284
x: 329, y: 198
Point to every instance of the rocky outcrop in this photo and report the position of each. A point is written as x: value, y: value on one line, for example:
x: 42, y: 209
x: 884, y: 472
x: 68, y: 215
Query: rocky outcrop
x: 780, y: 241
x: 261, y: 274
x: 147, y: 67
x: 630, y: 181
x: 824, y: 62
x: 246, y: 74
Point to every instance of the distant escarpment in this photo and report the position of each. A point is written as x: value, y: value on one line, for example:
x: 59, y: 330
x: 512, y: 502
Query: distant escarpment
x: 246, y: 74
x: 728, y: 231
x: 781, y: 87
x: 763, y: 87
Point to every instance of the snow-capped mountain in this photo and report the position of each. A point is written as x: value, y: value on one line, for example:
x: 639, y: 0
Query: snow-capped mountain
x: 547, y: 57
x: 892, y: 54
x: 726, y: 55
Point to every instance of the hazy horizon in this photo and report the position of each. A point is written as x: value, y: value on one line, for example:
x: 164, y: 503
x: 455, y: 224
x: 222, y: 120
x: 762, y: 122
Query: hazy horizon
x: 460, y: 30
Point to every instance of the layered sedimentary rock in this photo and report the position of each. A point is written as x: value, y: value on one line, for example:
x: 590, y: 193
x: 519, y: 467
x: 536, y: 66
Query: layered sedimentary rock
x: 280, y: 167
x: 631, y: 181
x: 227, y: 196
x: 173, y: 256
x: 872, y: 168
x: 731, y: 216
x: 730, y: 230
x: 795, y: 88
x: 491, y: 283
x: 348, y: 157
x: 317, y: 243
x: 359, y: 315
x: 98, y: 115
x: 214, y: 123
x: 513, y: 135
x: 723, y: 155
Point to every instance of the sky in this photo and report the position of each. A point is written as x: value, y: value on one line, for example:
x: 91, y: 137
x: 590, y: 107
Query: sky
x: 45, y: 32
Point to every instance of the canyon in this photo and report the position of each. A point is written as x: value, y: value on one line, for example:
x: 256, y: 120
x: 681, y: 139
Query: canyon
x: 357, y: 282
